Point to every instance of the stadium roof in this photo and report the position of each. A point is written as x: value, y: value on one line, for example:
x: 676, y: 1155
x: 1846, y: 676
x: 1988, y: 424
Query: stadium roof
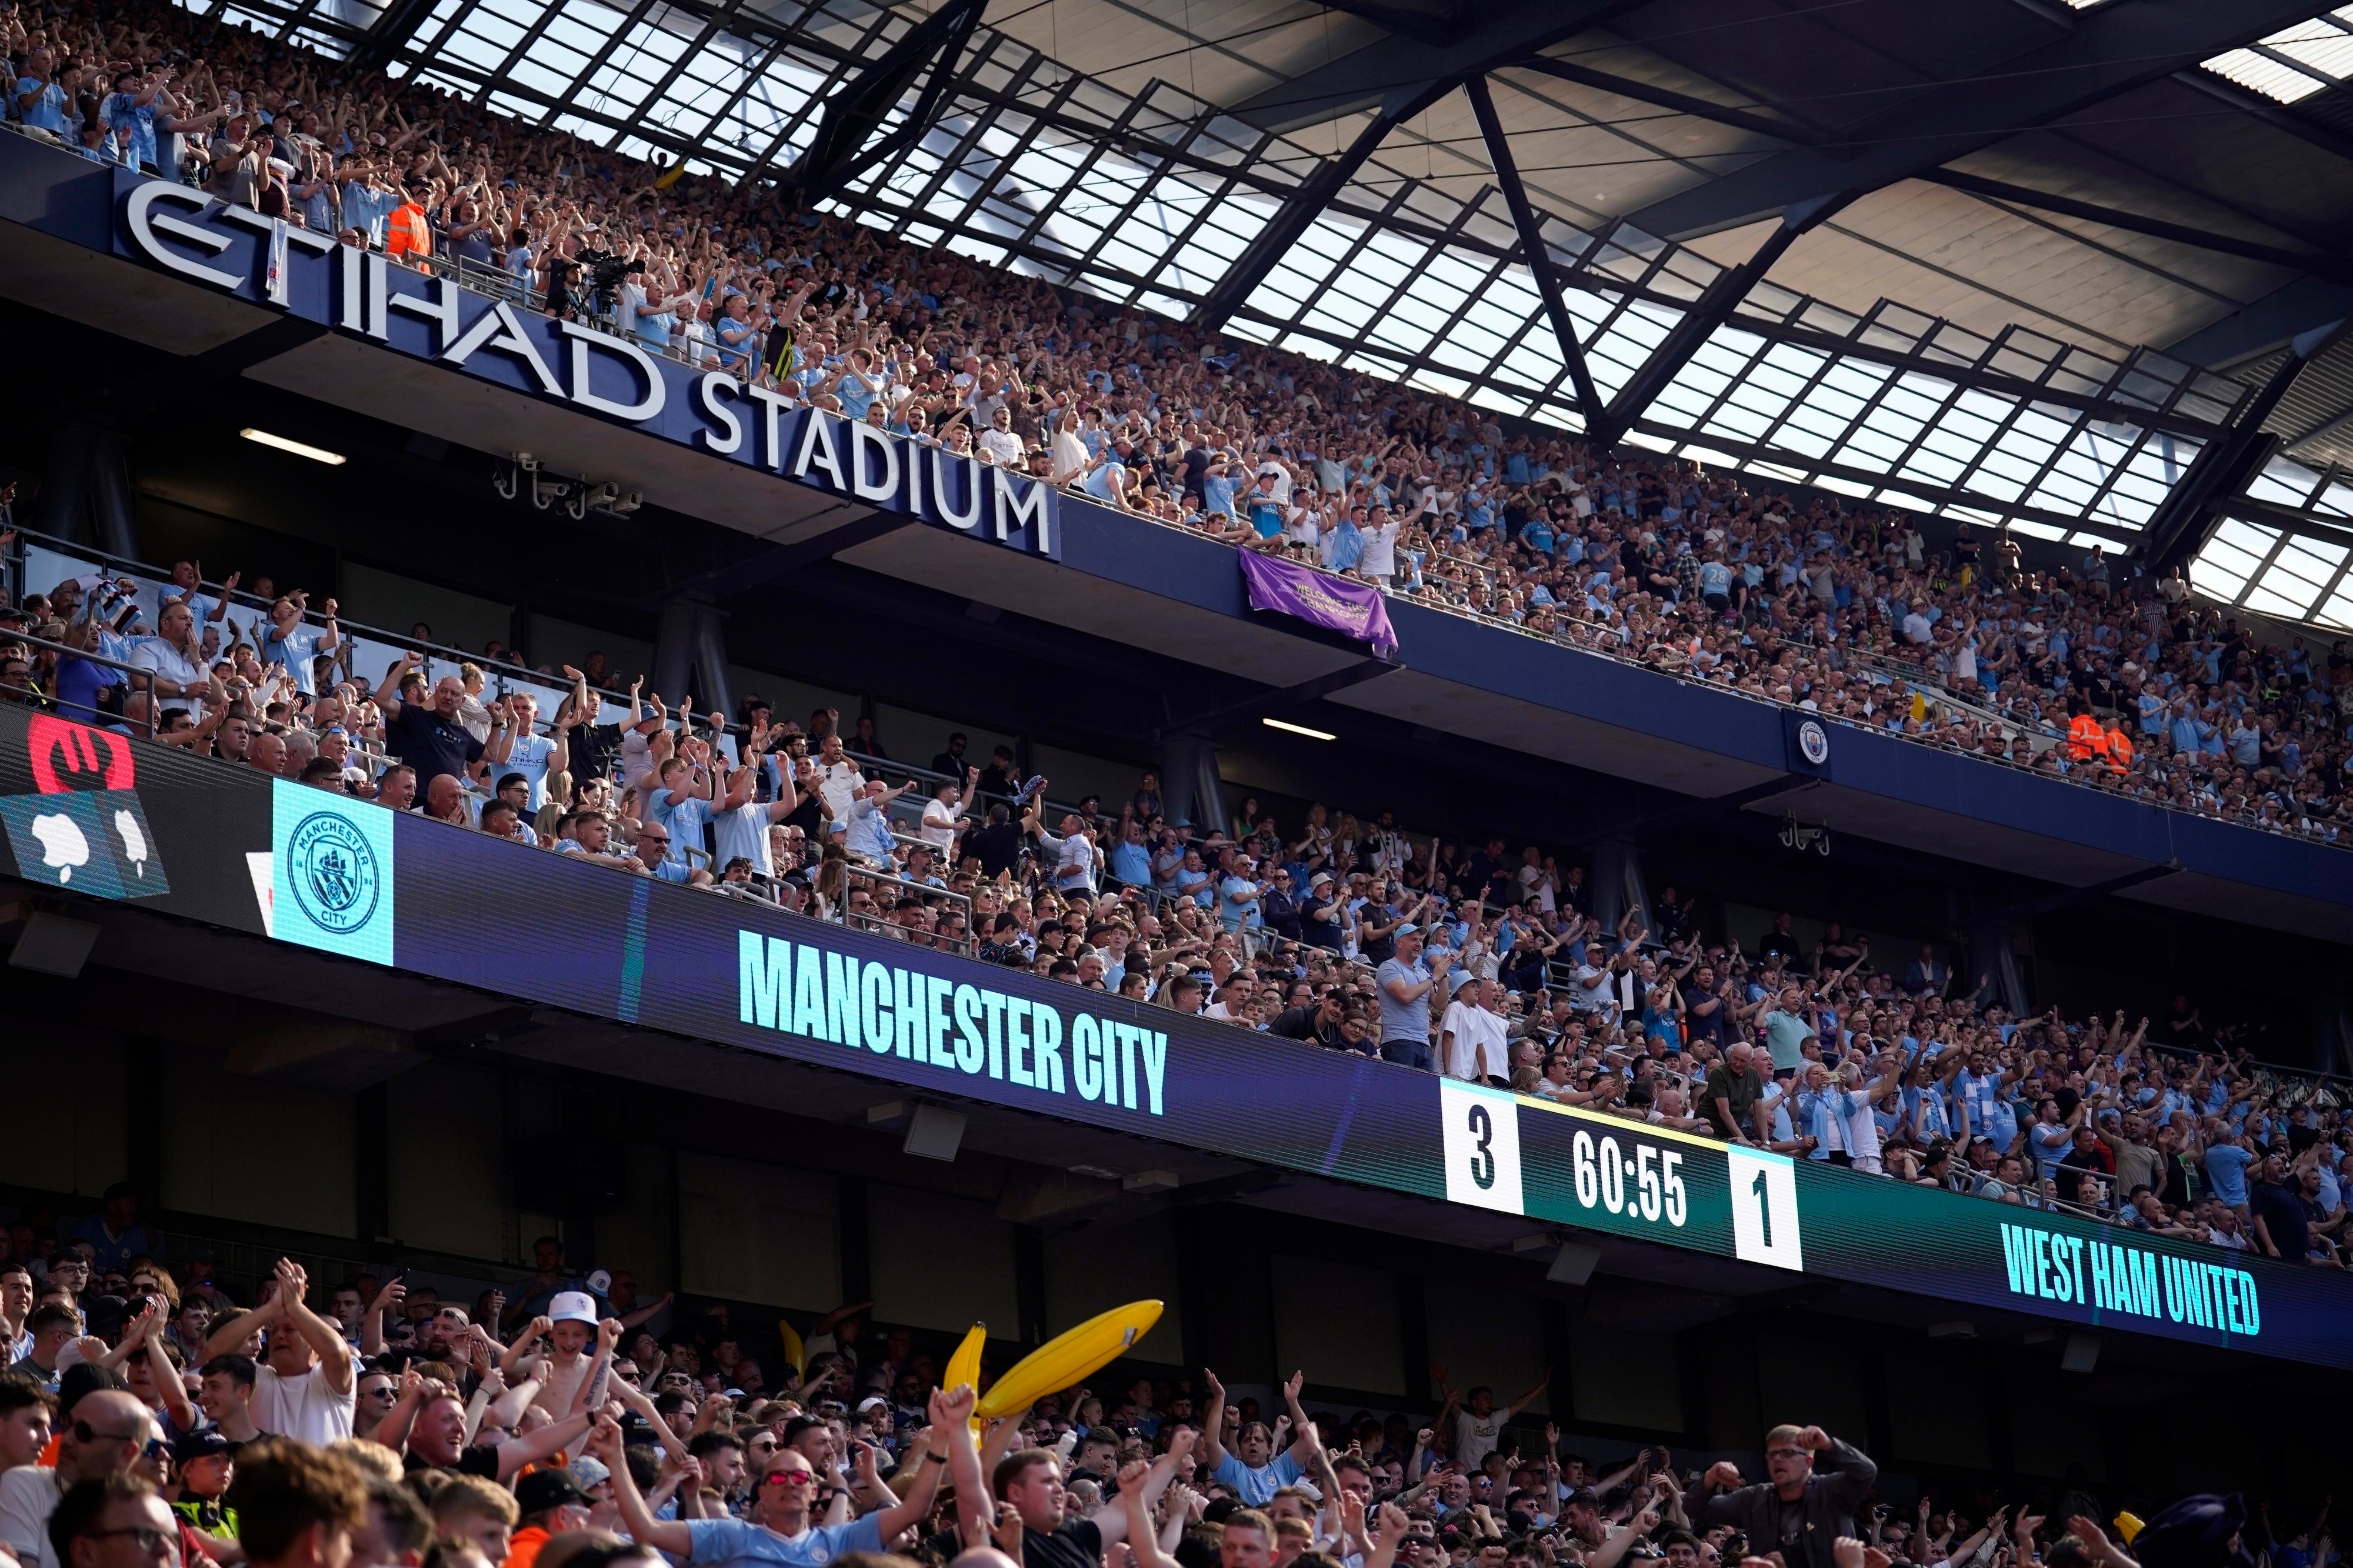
x: 2002, y: 258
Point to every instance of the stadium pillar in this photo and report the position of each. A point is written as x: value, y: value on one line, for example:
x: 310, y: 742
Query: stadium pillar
x: 675, y: 650
x: 110, y: 504
x: 86, y: 492
x: 2332, y: 1033
x: 690, y: 656
x: 1991, y: 955
x: 717, y: 682
x: 1188, y: 779
x: 1617, y: 884
x: 64, y: 499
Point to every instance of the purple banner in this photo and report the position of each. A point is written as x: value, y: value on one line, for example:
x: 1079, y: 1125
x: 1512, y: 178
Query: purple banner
x: 1352, y: 609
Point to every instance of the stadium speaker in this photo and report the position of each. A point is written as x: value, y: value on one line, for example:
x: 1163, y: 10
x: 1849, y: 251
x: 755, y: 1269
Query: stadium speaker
x: 53, y: 944
x: 934, y: 1132
x: 2082, y: 1355
x: 1574, y: 1263
x: 559, y: 1174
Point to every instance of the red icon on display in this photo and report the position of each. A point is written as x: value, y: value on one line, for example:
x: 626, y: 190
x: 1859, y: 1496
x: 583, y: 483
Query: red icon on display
x: 68, y: 757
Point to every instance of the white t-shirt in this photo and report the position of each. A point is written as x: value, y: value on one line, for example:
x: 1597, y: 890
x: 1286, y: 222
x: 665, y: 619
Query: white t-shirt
x: 1475, y: 1436
x: 839, y: 782
x: 636, y: 758
x: 305, y: 1407
x: 1002, y: 445
x: 939, y: 823
x: 29, y: 1496
x: 1472, y: 1026
x: 1380, y: 549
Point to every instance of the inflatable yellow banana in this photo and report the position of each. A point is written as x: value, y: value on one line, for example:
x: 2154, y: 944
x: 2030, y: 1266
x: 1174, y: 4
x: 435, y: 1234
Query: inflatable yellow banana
x: 1065, y: 1359
x: 965, y: 1365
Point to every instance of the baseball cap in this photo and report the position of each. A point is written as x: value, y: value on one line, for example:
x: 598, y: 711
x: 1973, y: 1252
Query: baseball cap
x: 1408, y: 928
x: 542, y: 1489
x: 196, y: 1445
x: 586, y: 1471
x: 872, y: 1402
x: 572, y: 1307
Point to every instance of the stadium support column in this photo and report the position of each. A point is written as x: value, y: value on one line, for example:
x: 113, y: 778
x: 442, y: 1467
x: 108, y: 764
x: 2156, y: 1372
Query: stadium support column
x: 1992, y: 955
x: 85, y: 493
x: 690, y: 656
x: 717, y: 683
x: 110, y: 504
x: 1189, y: 786
x: 2332, y: 1033
x: 1617, y: 884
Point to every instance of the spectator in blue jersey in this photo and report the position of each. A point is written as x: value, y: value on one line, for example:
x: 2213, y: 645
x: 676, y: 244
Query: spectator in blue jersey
x: 1245, y: 1462
x: 2226, y: 1172
x: 294, y: 641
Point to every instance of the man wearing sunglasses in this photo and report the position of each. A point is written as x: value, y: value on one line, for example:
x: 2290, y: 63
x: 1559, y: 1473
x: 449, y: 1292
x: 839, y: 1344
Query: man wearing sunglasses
x: 105, y: 1435
x: 1804, y: 1507
x: 116, y: 1522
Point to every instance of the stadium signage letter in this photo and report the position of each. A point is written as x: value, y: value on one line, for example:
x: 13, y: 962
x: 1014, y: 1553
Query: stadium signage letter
x: 238, y: 251
x: 2118, y: 1280
x: 870, y: 464
x: 952, y: 1028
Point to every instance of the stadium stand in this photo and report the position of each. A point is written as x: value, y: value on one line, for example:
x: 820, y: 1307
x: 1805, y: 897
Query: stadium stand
x: 155, y: 1409
x: 1339, y: 928
x: 2086, y: 671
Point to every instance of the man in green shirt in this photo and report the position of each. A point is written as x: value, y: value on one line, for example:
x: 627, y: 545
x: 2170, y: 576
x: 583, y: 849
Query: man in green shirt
x: 1735, y: 1085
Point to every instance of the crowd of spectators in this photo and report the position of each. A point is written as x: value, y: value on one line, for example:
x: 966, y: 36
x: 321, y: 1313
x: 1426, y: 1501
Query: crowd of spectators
x: 153, y: 1417
x: 1346, y: 931
x: 1445, y: 956
x: 2091, y: 671
x: 145, y: 1420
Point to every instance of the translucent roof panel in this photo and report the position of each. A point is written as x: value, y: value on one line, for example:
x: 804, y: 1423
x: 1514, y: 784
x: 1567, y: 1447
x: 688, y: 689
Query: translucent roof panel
x: 2294, y: 62
x: 1150, y: 197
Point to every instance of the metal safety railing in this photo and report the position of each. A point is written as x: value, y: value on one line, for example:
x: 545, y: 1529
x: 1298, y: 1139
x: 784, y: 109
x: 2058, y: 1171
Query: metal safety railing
x: 135, y: 678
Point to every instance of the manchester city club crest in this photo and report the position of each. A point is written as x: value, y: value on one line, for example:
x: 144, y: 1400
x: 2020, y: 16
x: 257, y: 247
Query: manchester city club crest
x: 333, y: 873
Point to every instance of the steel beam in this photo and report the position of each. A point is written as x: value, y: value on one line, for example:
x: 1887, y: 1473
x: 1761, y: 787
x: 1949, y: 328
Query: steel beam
x: 1378, y: 73
x: 1710, y: 311
x: 2112, y: 50
x: 2335, y: 267
x: 1668, y: 97
x: 388, y: 35
x: 862, y: 105
x: 1306, y: 204
x: 2186, y: 518
x: 1532, y: 249
x: 2279, y: 116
